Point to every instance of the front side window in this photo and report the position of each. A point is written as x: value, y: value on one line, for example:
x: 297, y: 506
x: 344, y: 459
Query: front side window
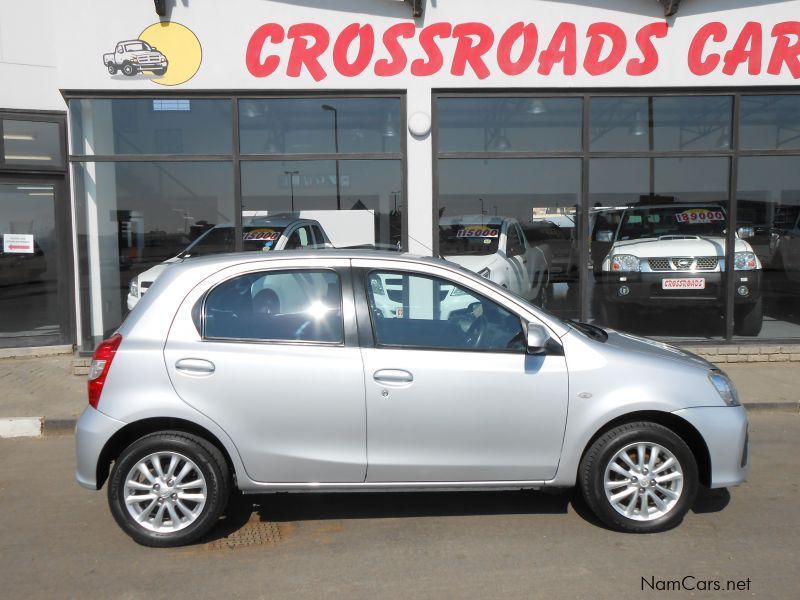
x: 427, y: 312
x: 285, y: 306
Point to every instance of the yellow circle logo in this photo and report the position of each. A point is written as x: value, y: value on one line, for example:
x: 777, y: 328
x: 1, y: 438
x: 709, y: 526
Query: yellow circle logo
x: 181, y: 48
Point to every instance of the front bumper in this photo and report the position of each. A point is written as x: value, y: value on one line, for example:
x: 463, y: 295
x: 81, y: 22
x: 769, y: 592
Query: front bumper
x: 647, y: 288
x: 724, y: 430
x: 92, y: 432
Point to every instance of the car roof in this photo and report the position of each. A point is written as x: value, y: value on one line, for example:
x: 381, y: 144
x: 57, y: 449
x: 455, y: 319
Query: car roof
x: 131, y: 41
x: 243, y: 257
x: 716, y: 203
x: 474, y: 220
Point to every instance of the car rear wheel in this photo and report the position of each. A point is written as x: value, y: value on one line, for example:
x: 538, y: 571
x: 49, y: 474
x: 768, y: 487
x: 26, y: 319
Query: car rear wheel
x: 639, y: 478
x: 112, y: 69
x: 748, y: 318
x: 168, y: 489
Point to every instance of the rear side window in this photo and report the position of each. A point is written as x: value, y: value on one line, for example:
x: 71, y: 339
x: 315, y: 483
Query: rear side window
x: 282, y: 306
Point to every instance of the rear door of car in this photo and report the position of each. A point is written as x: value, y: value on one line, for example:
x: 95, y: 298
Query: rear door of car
x: 269, y: 351
x: 442, y: 408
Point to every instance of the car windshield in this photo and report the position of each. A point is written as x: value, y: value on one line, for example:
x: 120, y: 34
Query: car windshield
x: 136, y: 47
x: 220, y: 239
x: 470, y: 239
x: 639, y: 223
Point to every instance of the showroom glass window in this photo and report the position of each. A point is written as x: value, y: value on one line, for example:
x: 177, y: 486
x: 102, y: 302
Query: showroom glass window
x: 35, y: 248
x: 150, y: 177
x: 657, y: 179
x: 153, y: 175
x: 334, y: 160
x: 510, y: 165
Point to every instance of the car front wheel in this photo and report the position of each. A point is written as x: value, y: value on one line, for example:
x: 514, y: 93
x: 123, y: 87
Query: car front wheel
x: 639, y: 478
x: 168, y: 489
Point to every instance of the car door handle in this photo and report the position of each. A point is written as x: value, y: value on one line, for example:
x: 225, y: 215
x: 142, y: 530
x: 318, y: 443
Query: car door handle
x: 195, y: 366
x: 393, y: 376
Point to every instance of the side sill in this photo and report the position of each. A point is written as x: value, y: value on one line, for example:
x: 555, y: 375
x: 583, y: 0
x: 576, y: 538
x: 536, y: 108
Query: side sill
x: 411, y: 486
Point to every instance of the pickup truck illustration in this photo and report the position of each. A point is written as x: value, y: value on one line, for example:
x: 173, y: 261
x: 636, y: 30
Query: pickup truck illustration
x: 134, y: 56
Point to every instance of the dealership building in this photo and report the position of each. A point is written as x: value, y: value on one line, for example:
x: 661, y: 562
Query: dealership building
x: 640, y: 146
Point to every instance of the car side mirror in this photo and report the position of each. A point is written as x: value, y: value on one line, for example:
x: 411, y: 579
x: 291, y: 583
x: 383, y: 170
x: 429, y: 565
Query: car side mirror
x: 745, y: 233
x: 537, y: 338
x: 605, y: 236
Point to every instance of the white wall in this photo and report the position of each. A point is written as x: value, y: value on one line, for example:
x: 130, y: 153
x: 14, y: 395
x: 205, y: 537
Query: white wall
x: 28, y: 73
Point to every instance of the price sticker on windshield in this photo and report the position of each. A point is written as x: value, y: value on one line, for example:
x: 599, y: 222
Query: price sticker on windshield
x: 700, y: 215
x: 261, y: 235
x: 478, y: 231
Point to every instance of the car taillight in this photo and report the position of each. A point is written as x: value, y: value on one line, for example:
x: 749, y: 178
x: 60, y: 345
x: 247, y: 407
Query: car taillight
x: 101, y: 363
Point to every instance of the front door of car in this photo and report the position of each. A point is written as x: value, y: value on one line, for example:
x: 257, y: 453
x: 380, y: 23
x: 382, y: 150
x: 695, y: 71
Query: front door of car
x: 271, y: 356
x: 452, y: 394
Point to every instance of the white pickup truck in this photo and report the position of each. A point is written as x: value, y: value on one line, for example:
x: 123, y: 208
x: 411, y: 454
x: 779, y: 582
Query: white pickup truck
x: 134, y: 56
x: 672, y: 255
x: 261, y: 234
x: 496, y: 248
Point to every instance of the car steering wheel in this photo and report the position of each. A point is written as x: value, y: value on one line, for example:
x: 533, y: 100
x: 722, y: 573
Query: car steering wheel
x: 476, y: 331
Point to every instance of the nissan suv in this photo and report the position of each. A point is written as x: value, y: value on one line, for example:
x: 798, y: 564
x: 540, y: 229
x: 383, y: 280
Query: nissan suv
x: 672, y: 255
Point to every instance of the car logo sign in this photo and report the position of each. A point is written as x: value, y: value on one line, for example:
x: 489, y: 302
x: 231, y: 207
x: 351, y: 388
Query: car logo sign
x: 684, y: 263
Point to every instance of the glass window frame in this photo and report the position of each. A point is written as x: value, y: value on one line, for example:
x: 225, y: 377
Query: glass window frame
x: 59, y: 119
x: 236, y: 157
x: 732, y: 153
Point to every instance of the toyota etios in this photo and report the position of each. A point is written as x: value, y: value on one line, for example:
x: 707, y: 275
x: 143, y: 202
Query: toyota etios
x: 279, y: 373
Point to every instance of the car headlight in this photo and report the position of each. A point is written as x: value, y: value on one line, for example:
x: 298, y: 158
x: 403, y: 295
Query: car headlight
x: 485, y: 273
x: 624, y: 262
x: 724, y: 387
x: 745, y: 261
x: 133, y: 288
x: 136, y: 60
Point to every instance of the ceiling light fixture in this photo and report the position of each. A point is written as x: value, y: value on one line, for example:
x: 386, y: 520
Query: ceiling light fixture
x: 41, y: 157
x: 19, y: 137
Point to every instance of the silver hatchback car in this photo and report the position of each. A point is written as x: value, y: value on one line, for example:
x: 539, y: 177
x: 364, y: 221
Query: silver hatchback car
x: 290, y: 373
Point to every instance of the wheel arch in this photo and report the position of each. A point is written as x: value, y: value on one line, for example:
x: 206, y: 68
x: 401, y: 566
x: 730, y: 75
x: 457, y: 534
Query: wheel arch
x: 134, y: 431
x: 685, y: 430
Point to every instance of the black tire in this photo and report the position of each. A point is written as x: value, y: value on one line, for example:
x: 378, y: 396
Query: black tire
x: 128, y: 69
x: 159, y: 71
x: 748, y: 318
x: 112, y: 69
x: 205, y: 456
x: 593, y: 467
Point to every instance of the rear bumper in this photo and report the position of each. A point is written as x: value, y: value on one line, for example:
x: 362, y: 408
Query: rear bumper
x: 92, y: 432
x: 647, y: 288
x: 724, y: 430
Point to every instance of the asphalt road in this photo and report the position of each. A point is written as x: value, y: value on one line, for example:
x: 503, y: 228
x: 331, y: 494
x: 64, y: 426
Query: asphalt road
x: 59, y: 541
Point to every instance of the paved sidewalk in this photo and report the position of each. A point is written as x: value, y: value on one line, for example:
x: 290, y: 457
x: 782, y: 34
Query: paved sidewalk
x: 45, y: 388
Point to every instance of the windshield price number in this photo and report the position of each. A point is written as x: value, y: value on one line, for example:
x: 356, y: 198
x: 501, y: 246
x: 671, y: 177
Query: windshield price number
x: 478, y: 232
x: 700, y: 216
x: 694, y: 283
x: 261, y: 236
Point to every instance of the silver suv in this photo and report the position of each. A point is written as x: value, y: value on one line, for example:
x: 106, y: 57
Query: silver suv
x: 280, y: 373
